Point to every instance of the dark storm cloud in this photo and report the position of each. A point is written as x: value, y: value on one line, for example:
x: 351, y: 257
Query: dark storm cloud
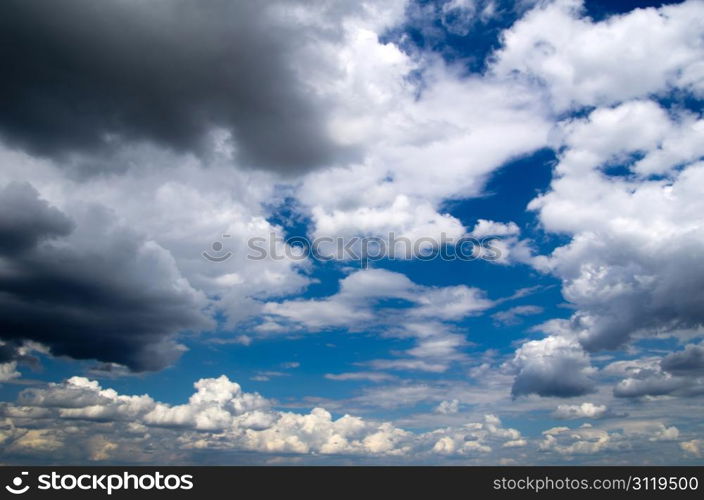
x: 81, y: 76
x: 116, y: 300
x: 13, y: 351
x: 25, y: 219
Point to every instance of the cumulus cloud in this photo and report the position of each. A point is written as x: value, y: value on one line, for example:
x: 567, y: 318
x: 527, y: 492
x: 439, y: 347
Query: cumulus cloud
x: 693, y: 447
x: 78, y: 419
x: 689, y: 362
x: 423, y: 146
x: 589, y: 440
x: 475, y: 438
x: 218, y: 416
x: 554, y: 366
x: 630, y: 265
x: 8, y: 371
x: 649, y: 377
x: 622, y: 190
x: 448, y: 407
x: 584, y: 410
x: 642, y: 52
x: 182, y: 204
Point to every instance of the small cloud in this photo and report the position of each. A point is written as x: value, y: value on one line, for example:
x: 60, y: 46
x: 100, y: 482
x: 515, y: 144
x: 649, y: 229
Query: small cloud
x: 108, y: 370
x: 585, y: 410
x: 368, y: 376
x: 515, y: 315
x: 693, y: 447
x: 448, y: 407
x: 240, y: 339
x: 265, y: 376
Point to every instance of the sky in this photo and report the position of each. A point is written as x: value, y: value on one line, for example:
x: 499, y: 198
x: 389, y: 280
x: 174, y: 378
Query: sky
x: 461, y: 232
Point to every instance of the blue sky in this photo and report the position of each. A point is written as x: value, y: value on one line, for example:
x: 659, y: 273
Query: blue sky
x: 569, y: 131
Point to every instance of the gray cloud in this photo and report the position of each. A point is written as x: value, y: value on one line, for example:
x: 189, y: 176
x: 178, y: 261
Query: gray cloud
x: 659, y: 385
x: 86, y: 77
x: 553, y: 366
x: 117, y: 299
x: 685, y: 363
x: 678, y: 374
x: 25, y: 219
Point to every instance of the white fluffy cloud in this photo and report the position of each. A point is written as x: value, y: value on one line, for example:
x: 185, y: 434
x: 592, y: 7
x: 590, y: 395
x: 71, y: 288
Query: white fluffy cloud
x: 584, y: 410
x: 448, y: 406
x: 424, y: 143
x: 426, y: 314
x: 589, y: 440
x: 218, y: 416
x: 630, y: 268
x: 79, y: 420
x: 626, y: 188
x: 586, y: 63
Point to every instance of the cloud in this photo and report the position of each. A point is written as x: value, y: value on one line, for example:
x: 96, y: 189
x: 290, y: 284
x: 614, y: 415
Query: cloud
x: 8, y: 371
x: 689, y: 362
x: 218, y: 416
x: 693, y: 447
x: 91, y: 289
x: 418, y: 312
x: 265, y: 376
x: 585, y: 410
x: 367, y: 376
x: 448, y: 407
x: 629, y: 267
x: 553, y: 366
x: 360, y: 291
x: 589, y: 440
x: 77, y: 419
x: 586, y: 63
x: 624, y: 175
x: 408, y: 365
x: 410, y: 129
x: 649, y: 377
x: 25, y: 219
x: 184, y: 205
x: 184, y: 69
x: 484, y: 228
x: 476, y: 438
x: 513, y: 316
